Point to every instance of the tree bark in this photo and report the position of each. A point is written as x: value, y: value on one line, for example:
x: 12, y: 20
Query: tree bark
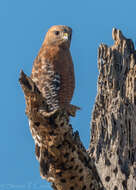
x: 113, y: 133
x: 110, y: 162
x: 63, y: 159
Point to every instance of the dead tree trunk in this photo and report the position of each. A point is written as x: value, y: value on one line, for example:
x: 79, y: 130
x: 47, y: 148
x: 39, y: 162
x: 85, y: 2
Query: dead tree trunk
x: 62, y: 157
x: 113, y: 133
x: 110, y: 162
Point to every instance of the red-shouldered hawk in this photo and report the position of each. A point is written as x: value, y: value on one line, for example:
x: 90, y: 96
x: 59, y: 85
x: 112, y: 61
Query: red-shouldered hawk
x: 53, y: 71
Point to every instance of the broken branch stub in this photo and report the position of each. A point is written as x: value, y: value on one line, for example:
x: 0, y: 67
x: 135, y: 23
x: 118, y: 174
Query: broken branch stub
x: 63, y: 159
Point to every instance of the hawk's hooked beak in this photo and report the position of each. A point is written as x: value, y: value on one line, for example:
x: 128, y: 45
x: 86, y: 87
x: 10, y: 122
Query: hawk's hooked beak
x: 65, y: 36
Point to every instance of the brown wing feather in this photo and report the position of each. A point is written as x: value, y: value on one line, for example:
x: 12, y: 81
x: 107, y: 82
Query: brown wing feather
x: 53, y: 73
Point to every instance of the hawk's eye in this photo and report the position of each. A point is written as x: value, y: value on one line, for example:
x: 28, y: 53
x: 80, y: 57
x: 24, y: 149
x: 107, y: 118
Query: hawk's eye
x: 57, y: 33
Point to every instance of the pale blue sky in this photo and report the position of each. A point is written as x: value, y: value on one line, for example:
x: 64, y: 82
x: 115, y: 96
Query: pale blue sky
x: 23, y: 26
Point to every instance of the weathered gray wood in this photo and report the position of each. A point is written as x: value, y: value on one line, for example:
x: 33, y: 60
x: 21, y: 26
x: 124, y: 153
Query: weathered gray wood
x: 113, y: 133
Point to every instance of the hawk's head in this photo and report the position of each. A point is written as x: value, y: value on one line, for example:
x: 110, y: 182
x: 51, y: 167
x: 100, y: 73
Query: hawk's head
x: 58, y: 34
